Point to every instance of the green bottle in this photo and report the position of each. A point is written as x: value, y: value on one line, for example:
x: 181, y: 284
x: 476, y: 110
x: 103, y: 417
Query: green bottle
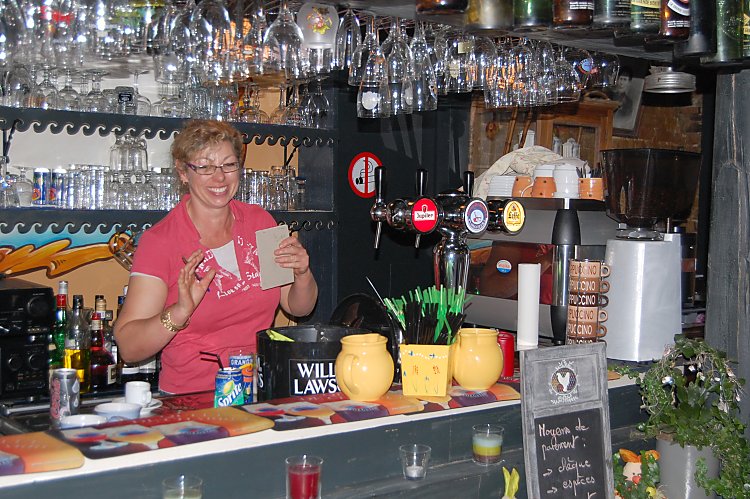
x: 57, y: 345
x: 532, y: 13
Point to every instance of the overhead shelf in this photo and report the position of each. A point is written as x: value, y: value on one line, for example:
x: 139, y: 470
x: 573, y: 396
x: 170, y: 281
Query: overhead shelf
x: 73, y: 122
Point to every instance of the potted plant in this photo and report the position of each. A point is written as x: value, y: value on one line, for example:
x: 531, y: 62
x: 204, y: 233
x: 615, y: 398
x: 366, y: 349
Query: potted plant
x: 692, y: 398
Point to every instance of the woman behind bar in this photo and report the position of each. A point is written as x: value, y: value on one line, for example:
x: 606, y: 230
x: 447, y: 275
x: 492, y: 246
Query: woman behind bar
x: 195, y: 280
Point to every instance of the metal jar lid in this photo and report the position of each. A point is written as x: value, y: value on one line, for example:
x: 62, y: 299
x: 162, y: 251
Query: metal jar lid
x: 665, y: 80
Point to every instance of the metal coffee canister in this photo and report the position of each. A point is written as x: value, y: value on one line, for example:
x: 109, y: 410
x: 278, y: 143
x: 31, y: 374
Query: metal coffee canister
x: 64, y: 392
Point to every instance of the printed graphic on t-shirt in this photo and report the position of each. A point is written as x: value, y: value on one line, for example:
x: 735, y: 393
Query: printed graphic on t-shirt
x: 225, y: 283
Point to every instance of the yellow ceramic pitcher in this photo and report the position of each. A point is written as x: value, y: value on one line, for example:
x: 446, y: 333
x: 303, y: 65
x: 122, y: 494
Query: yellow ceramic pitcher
x: 364, y: 368
x: 477, y: 358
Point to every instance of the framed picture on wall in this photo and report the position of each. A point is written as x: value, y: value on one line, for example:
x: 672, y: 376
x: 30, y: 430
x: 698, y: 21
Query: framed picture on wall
x: 628, y: 93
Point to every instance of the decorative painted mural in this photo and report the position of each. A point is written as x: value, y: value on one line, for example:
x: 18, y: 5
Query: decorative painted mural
x: 57, y: 252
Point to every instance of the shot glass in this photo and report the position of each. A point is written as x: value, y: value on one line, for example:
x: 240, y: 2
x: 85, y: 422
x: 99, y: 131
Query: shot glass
x: 414, y: 460
x: 303, y: 477
x: 182, y: 487
x: 487, y: 443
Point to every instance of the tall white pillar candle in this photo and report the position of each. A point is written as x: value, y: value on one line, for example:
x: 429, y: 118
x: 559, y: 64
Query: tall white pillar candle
x: 528, y: 304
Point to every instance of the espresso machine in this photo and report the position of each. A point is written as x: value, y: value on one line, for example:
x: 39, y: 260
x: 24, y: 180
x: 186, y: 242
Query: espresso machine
x: 648, y: 192
x: 454, y: 214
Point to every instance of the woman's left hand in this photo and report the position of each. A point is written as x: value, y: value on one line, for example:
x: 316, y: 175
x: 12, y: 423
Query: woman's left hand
x: 292, y: 255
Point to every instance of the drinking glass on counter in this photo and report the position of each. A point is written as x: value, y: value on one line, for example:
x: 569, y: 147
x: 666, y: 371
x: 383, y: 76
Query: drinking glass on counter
x: 414, y: 459
x: 303, y: 477
x: 487, y: 443
x: 182, y: 487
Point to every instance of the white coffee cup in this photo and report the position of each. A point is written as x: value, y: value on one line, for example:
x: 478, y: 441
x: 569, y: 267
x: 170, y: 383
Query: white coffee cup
x: 138, y: 392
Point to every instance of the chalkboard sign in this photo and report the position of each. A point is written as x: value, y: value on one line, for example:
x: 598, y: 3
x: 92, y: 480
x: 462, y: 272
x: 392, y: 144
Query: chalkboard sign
x: 567, y: 444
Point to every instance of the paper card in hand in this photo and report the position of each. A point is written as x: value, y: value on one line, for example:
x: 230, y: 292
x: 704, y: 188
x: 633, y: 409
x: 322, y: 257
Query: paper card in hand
x: 271, y: 274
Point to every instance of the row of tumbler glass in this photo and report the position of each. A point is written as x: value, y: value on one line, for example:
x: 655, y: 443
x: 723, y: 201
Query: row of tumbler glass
x: 278, y: 189
x: 97, y: 187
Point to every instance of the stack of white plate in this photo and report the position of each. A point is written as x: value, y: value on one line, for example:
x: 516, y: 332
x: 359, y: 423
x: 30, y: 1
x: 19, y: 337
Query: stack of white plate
x: 501, y: 186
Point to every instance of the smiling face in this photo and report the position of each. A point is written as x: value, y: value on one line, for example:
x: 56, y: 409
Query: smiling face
x: 216, y: 190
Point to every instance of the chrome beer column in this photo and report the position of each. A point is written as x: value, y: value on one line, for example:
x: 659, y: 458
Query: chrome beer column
x: 454, y: 214
x: 566, y: 234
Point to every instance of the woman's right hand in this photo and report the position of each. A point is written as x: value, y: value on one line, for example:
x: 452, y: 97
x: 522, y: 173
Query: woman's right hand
x: 191, y: 288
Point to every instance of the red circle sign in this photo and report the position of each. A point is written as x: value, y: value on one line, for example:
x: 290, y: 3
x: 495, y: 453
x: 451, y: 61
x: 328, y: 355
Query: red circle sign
x: 424, y: 215
x: 362, y: 174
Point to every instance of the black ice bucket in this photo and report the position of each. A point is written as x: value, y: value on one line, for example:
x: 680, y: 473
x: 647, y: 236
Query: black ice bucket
x: 302, y: 367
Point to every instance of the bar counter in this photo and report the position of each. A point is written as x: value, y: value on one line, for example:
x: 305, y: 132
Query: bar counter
x: 361, y: 458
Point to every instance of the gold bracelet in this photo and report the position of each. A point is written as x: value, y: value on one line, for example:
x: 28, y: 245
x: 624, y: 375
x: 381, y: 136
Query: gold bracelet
x: 166, y: 321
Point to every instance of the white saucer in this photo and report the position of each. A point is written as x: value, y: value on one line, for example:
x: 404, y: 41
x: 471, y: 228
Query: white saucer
x: 154, y: 404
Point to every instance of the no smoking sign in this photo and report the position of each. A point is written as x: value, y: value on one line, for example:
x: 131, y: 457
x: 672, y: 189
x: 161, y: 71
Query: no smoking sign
x: 362, y: 174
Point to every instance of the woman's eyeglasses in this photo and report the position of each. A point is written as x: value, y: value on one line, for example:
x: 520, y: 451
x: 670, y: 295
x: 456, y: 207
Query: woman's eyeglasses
x: 210, y: 169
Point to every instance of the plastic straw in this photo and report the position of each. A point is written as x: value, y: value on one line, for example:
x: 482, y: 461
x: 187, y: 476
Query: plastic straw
x: 215, y: 356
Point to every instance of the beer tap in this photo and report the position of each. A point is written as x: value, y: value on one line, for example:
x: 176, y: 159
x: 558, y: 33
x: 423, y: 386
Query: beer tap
x: 378, y: 210
x: 454, y: 214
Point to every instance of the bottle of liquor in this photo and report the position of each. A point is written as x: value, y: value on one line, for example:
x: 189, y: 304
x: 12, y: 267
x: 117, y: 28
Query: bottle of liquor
x: 532, y: 13
x: 644, y: 16
x: 675, y: 19
x: 103, y: 366
x: 59, y: 329
x: 78, y: 344
x: 572, y: 13
x: 611, y: 13
x: 702, y: 39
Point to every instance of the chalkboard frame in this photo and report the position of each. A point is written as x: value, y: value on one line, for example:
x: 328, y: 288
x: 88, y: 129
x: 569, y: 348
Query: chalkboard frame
x: 584, y: 369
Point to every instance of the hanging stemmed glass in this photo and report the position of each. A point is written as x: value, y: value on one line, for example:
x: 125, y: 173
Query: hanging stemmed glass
x: 425, y: 82
x: 252, y: 44
x: 317, y: 106
x: 348, y: 37
x: 213, y: 36
x: 400, y: 70
x: 374, y: 97
x: 362, y: 53
x: 282, y: 46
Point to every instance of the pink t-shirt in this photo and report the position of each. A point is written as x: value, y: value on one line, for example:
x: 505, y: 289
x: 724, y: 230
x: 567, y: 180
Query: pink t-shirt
x: 233, y: 310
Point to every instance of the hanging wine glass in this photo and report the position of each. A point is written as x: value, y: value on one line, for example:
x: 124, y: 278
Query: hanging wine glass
x: 400, y: 71
x: 425, y: 82
x: 213, y: 37
x: 253, y: 41
x: 460, y: 69
x: 482, y: 57
x: 581, y: 61
x: 348, y: 37
x: 362, y: 53
x: 282, y: 46
x: 44, y: 95
x: 567, y: 82
x: 373, y: 97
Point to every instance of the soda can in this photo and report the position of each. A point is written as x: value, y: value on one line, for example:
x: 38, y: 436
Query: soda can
x: 228, y: 387
x: 39, y: 192
x: 245, y: 362
x: 64, y: 394
x: 56, y: 189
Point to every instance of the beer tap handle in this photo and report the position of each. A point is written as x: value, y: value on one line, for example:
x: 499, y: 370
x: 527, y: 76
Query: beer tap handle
x: 469, y: 183
x: 377, y: 211
x: 421, y: 180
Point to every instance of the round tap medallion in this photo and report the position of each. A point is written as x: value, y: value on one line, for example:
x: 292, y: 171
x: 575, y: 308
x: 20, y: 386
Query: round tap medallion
x: 476, y: 216
x: 514, y: 216
x: 424, y: 215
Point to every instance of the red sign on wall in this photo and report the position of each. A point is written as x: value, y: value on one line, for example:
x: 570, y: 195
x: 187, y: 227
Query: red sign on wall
x: 362, y: 174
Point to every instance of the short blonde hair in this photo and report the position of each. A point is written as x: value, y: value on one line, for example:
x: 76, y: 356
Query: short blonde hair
x: 197, y: 135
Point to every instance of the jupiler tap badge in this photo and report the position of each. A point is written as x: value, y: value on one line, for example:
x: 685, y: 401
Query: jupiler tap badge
x: 424, y: 215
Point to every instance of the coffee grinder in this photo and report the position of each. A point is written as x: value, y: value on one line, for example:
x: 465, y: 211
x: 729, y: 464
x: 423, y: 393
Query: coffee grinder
x: 648, y: 191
